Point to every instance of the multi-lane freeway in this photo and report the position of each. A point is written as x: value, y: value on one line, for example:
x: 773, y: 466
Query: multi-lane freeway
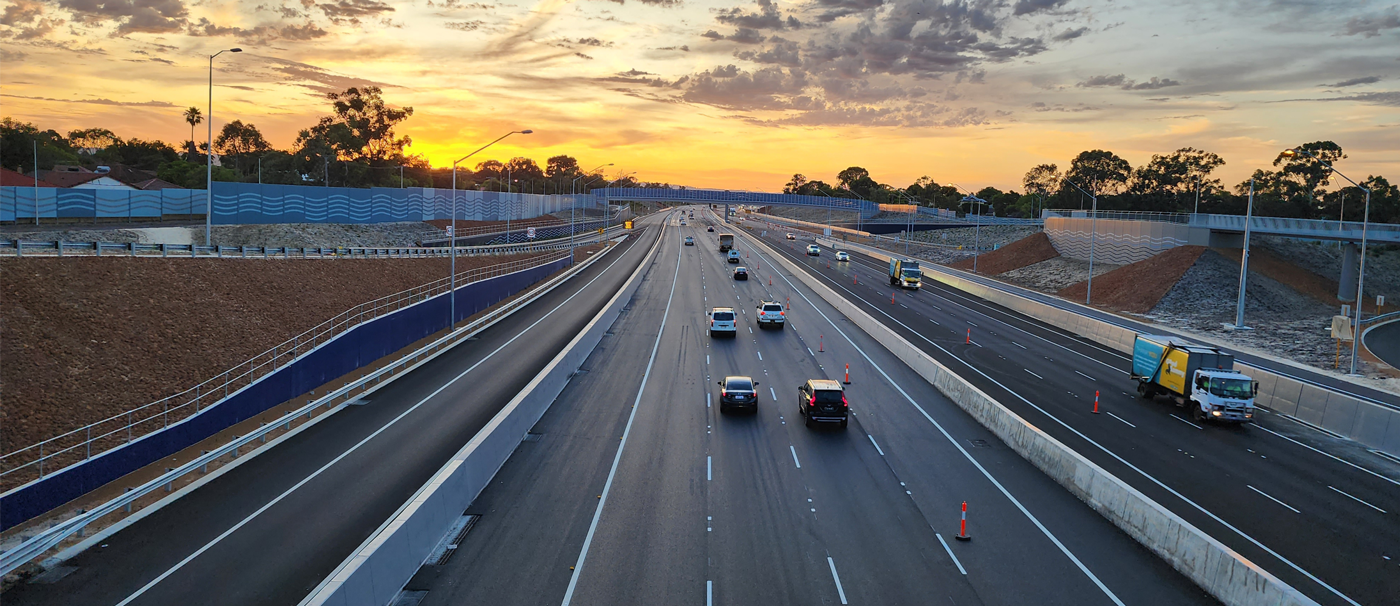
x: 1319, y: 513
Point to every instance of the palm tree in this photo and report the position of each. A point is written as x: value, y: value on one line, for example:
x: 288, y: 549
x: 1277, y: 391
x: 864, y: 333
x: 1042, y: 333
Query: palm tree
x: 194, y: 117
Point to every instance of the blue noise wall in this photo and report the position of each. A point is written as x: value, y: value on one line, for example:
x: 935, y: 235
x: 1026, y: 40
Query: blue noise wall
x: 349, y: 351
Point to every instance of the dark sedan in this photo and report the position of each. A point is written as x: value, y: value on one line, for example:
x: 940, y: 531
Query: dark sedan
x: 738, y: 392
x: 741, y: 273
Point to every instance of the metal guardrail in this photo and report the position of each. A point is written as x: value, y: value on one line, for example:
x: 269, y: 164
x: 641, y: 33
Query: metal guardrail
x: 1125, y: 215
x: 70, y: 448
x: 22, y: 248
x: 53, y: 536
x: 1281, y: 226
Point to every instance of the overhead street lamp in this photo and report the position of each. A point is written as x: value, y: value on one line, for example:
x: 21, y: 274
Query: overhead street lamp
x: 607, y: 214
x: 208, y: 153
x: 1361, y: 274
x: 452, y: 237
x: 1093, y: 237
x: 573, y: 198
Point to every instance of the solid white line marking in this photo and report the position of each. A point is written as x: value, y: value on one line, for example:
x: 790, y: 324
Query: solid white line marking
x: 1186, y: 422
x: 1266, y: 495
x: 1121, y: 419
x: 1332, y: 456
x: 1356, y: 499
x: 950, y: 553
x: 775, y: 394
x: 1018, y: 345
x: 877, y: 446
x: 794, y: 456
x: 839, y: 591
x: 1085, y: 376
x: 342, y: 455
x: 760, y: 355
x: 607, y: 486
x: 1033, y: 374
x: 709, y: 469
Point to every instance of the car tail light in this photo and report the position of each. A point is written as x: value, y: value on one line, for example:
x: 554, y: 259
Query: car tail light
x: 843, y: 402
x: 782, y: 313
x: 813, y: 401
x: 723, y: 392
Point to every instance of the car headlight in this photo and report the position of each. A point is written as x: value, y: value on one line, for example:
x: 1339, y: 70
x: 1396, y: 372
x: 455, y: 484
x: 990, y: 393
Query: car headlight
x: 1215, y: 413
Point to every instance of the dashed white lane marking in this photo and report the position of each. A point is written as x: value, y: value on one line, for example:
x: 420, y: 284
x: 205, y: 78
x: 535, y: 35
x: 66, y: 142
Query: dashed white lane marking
x: 709, y: 468
x: 1266, y: 495
x: 1085, y: 376
x: 809, y: 351
x: 760, y: 355
x: 1185, y: 421
x: 707, y: 358
x: 750, y: 330
x: 1339, y: 491
x: 839, y: 591
x: 1121, y: 419
x: 950, y: 553
x: 794, y: 456
x: 1033, y: 374
x: 1334, y: 457
x: 904, y: 306
x: 877, y: 446
x: 971, y: 322
x: 1018, y: 345
x: 775, y: 394
x: 709, y: 593
x: 934, y: 321
x: 707, y: 400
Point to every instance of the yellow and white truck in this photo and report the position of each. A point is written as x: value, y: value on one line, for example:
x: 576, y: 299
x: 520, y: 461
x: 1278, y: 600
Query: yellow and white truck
x: 1199, y: 377
x: 905, y: 273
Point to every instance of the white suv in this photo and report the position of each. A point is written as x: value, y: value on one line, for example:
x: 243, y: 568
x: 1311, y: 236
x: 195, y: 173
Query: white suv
x: 770, y: 313
x: 723, y: 322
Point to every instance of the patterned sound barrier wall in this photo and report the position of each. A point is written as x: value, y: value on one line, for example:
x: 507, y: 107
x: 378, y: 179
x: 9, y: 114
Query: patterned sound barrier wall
x: 1117, y: 242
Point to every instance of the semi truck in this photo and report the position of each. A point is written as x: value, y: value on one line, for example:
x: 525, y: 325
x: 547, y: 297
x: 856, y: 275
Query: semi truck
x: 1194, y: 376
x: 726, y: 242
x: 905, y: 273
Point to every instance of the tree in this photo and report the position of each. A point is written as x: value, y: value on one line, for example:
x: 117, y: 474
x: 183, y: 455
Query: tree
x: 238, y: 140
x: 1306, y: 175
x: 796, y: 185
x: 191, y: 175
x: 1099, y: 171
x: 851, y: 175
x: 370, y: 122
x: 318, y: 146
x: 137, y: 153
x: 96, y: 139
x: 17, y: 145
x: 524, y: 169
x: 1166, y: 178
x: 1040, y: 181
x: 490, y: 170
x: 194, y: 117
x: 561, y: 166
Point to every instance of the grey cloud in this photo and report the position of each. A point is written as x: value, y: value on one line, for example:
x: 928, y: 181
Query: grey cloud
x: 99, y: 101
x: 259, y: 34
x: 1354, y: 82
x: 592, y: 42
x: 464, y: 26
x: 1373, y: 25
x: 730, y: 88
x: 583, y: 56
x: 1152, y: 84
x: 1388, y: 98
x: 1122, y: 81
x: 21, y: 12
x: 133, y: 16
x: 835, y: 9
x: 350, y: 11
x: 1070, y: 34
x: 683, y: 48
x: 745, y: 35
x: 767, y: 17
x: 1026, y: 7
x: 1098, y: 81
x: 318, y: 79
x: 633, y: 73
x: 713, y: 35
x: 783, y: 52
x: 11, y: 55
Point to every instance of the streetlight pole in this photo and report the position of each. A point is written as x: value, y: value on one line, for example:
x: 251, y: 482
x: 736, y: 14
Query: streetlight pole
x: 573, y: 200
x: 607, y: 214
x: 1361, y: 274
x: 1244, y: 263
x: 209, y: 153
x: 452, y: 237
x: 1198, y: 196
x: 1093, y: 236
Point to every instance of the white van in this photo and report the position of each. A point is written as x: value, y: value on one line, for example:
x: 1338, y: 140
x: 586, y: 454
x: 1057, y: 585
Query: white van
x: 723, y: 322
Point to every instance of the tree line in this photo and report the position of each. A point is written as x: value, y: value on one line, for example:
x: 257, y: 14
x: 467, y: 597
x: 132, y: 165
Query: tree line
x: 1177, y: 182
x: 355, y: 145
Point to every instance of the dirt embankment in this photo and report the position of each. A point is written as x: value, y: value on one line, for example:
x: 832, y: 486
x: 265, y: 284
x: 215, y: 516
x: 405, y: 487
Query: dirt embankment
x: 1138, y: 287
x: 85, y: 338
x: 1026, y: 251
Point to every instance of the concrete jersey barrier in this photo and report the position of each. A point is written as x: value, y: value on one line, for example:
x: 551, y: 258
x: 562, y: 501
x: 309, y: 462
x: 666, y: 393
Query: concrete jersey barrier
x: 1217, y: 569
x: 1375, y: 426
x: 375, y: 573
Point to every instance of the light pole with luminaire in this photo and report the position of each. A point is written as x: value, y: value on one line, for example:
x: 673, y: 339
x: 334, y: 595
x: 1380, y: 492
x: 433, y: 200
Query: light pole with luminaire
x: 1093, y: 236
x: 573, y: 199
x: 452, y: 237
x: 977, y: 231
x: 209, y: 153
x: 607, y: 214
x: 1361, y: 273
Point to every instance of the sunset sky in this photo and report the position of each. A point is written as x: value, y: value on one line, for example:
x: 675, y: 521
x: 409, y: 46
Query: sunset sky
x: 738, y: 94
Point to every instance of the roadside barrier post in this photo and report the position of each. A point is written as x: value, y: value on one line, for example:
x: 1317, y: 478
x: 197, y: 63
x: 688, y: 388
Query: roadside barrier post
x: 848, y: 374
x: 820, y: 340
x: 892, y: 298
x: 1096, y: 401
x: 962, y: 532
x: 969, y: 336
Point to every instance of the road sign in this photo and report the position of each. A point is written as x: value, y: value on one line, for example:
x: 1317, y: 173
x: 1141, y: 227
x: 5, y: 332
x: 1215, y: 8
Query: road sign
x: 600, y: 230
x: 530, y: 233
x: 1341, y: 328
x: 627, y: 225
x: 449, y: 231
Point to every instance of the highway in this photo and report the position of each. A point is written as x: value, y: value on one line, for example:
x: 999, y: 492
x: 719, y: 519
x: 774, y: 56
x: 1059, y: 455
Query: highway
x: 1384, y: 341
x: 269, y: 530
x: 636, y: 490
x: 1318, y: 512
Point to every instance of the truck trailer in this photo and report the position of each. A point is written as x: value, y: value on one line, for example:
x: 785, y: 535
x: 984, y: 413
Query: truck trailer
x: 726, y: 242
x: 905, y: 273
x: 1198, y: 377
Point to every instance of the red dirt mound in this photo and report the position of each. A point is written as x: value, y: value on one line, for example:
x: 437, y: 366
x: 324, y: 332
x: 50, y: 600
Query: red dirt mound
x: 1026, y: 251
x: 1137, y: 287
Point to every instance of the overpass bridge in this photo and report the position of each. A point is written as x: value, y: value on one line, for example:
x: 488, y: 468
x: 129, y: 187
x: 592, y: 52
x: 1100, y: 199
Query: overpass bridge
x: 731, y: 197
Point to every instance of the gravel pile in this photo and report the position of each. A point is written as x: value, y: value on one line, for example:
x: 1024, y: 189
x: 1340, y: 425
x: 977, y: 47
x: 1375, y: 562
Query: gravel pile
x: 295, y: 235
x: 1051, y: 275
x: 121, y: 236
x: 1325, y: 259
x: 814, y: 215
x: 994, y: 236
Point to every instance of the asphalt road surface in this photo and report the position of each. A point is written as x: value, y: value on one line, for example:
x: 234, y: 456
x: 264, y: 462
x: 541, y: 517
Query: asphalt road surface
x: 1384, y: 341
x: 271, y: 529
x: 639, y: 491
x: 1318, y: 512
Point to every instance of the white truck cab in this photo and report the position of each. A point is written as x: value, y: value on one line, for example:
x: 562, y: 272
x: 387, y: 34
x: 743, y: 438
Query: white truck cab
x: 1223, y: 395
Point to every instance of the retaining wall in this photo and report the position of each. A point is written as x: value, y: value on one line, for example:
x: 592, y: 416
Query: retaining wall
x: 347, y: 352
x: 1118, y: 242
x: 1216, y: 568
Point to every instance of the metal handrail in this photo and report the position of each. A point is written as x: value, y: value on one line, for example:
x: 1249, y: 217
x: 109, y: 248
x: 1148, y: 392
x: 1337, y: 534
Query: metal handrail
x: 20, y: 248
x: 54, y: 535
x: 85, y: 442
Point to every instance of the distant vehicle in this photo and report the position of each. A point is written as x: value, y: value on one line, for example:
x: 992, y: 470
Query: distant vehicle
x: 682, y: 222
x: 689, y: 241
x: 905, y: 273
x: 733, y: 256
x: 722, y: 322
x: 741, y: 273
x: 842, y: 256
x: 1200, y: 377
x: 790, y: 236
x: 770, y: 313
x: 822, y: 401
x: 726, y: 242
x: 710, y: 228
x: 740, y: 392
x: 813, y: 250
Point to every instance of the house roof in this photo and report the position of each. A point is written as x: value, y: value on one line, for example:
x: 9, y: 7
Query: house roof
x: 67, y: 179
x: 12, y: 178
x: 152, y: 184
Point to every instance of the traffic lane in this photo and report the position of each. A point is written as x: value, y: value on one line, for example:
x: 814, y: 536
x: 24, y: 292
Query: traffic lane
x: 133, y: 557
x: 536, y: 512
x: 1214, y: 499
x: 1024, y: 566
x: 1384, y: 343
x: 648, y: 545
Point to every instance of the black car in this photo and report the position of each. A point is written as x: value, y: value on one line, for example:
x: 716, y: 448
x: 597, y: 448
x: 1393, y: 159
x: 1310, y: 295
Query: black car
x: 710, y: 228
x: 741, y: 273
x: 740, y: 392
x: 822, y: 401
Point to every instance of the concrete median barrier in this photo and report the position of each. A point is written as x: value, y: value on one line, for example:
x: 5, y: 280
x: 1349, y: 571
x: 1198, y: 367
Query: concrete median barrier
x: 375, y: 573
x: 1217, y: 569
